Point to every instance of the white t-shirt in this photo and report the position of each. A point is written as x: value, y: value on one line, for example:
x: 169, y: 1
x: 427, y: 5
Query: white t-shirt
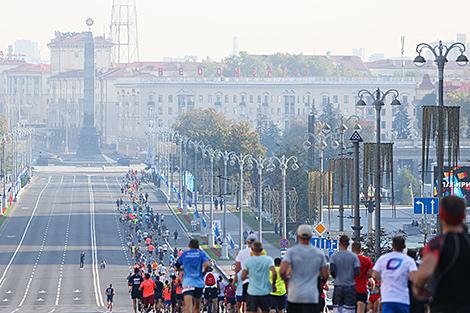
x: 242, y: 256
x: 394, y: 268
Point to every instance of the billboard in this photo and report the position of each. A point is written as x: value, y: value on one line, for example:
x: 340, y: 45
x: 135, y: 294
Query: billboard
x: 456, y: 182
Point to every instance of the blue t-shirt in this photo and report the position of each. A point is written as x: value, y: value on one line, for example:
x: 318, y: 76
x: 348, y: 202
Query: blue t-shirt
x: 258, y: 268
x: 192, y: 261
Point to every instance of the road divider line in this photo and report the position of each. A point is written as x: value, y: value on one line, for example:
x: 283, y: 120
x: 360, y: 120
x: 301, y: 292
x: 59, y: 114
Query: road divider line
x: 5, y: 272
x: 94, y: 252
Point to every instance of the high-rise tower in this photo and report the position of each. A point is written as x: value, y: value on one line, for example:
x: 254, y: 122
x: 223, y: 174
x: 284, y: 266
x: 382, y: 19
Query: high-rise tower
x: 123, y: 31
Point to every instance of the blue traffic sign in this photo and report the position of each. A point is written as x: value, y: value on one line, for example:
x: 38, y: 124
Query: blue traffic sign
x: 426, y: 205
x: 324, y: 243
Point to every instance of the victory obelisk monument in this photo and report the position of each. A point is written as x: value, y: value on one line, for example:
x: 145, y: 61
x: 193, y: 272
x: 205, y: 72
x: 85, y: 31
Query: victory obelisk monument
x: 88, y: 145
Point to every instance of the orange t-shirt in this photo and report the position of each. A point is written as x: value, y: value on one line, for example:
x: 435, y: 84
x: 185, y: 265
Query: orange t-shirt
x: 148, y: 240
x: 148, y: 287
x: 167, y: 294
x: 151, y: 248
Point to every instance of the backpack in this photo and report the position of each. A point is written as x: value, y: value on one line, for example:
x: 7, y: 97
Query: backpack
x: 210, y: 280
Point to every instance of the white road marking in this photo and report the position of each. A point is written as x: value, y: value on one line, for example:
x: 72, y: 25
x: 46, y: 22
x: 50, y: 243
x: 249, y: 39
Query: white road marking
x: 2, y: 279
x: 11, y: 236
x: 94, y: 252
x: 26, y: 291
x: 61, y: 270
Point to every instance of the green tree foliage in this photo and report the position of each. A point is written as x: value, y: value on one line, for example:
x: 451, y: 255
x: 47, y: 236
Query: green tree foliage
x: 401, y: 123
x: 270, y: 138
x: 461, y: 99
x: 282, y: 64
x: 215, y: 129
x: 406, y: 184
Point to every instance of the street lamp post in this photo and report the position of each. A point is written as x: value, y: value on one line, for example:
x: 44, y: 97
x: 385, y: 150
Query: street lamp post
x: 342, y: 129
x: 241, y: 159
x: 317, y: 140
x: 379, y: 97
x: 440, y: 53
x: 197, y: 146
x: 211, y: 153
x: 180, y: 140
x: 225, y: 156
x: 283, y: 165
x: 260, y: 163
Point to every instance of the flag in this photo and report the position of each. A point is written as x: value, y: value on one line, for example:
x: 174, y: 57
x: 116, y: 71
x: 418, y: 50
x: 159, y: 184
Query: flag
x: 269, y: 71
x: 160, y: 71
x: 180, y: 71
x: 237, y: 71
x: 216, y: 230
x: 230, y: 241
x: 196, y: 213
x: 200, y: 71
x: 254, y: 71
x: 219, y: 71
x: 203, y: 222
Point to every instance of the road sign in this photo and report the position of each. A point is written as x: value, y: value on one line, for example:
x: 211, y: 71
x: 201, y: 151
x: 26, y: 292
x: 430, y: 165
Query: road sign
x: 283, y: 243
x: 356, y: 137
x: 426, y: 205
x: 324, y: 243
x: 320, y: 229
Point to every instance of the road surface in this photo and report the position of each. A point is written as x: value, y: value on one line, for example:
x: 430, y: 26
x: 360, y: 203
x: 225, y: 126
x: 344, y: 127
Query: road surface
x: 58, y: 216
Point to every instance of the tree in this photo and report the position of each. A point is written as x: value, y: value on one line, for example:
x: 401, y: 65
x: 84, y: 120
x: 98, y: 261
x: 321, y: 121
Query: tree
x: 462, y: 99
x: 401, y: 123
x: 270, y: 138
x: 407, y: 184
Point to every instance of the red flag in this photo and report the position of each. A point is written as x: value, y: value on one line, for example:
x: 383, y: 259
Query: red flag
x: 219, y: 72
x: 160, y: 71
x: 181, y: 72
x: 253, y: 72
x: 237, y: 71
x: 200, y: 71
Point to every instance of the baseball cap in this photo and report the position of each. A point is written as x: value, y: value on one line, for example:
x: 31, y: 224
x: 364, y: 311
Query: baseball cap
x: 251, y: 238
x: 304, y: 231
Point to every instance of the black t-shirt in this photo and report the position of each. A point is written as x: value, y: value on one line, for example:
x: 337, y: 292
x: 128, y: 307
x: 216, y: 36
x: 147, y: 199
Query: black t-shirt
x: 109, y: 291
x: 135, y: 281
x: 158, y: 289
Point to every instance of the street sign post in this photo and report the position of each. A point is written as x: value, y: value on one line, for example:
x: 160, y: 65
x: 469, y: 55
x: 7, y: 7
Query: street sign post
x: 426, y: 206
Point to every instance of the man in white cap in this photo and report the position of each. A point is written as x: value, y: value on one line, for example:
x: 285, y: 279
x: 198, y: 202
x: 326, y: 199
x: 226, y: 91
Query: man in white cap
x: 240, y: 260
x: 301, y: 267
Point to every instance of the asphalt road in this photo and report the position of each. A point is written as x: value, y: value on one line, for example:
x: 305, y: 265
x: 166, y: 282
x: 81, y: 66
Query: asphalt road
x: 58, y: 216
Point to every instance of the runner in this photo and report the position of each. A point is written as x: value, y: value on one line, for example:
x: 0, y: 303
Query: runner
x: 241, y: 258
x: 221, y: 294
x: 344, y: 266
x: 134, y: 282
x: 393, y: 270
x: 148, y: 290
x: 158, y: 296
x: 194, y: 263
x: 258, y: 267
x: 362, y: 279
x: 109, y: 297
x: 239, y: 292
x: 300, y: 269
x: 82, y: 259
x: 278, y: 297
x: 210, y: 290
x: 446, y: 262
x: 230, y: 294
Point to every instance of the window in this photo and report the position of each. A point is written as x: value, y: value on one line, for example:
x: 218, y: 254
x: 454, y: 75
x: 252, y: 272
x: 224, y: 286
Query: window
x: 335, y: 99
x: 383, y: 112
x: 234, y: 100
x: 76, y: 54
x: 170, y: 110
x: 226, y: 99
x: 383, y: 125
x: 346, y: 99
x: 218, y: 99
x: 243, y: 99
x: 370, y: 111
x: 170, y: 98
x: 405, y: 100
x: 266, y: 99
x: 201, y: 99
x: 259, y: 99
x: 278, y: 111
x: 160, y: 110
x: 252, y: 99
x: 324, y: 100
x: 160, y: 98
x: 209, y: 98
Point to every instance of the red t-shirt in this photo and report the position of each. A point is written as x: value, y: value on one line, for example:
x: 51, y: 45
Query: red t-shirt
x: 361, y: 279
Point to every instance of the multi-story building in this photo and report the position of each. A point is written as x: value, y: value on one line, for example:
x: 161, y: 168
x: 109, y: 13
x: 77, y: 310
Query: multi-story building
x: 160, y: 100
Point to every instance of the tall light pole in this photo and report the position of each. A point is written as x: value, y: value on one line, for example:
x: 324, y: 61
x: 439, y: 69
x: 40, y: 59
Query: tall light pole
x: 241, y: 159
x: 440, y: 53
x: 197, y: 146
x: 180, y: 140
x: 379, y: 97
x: 260, y: 163
x: 211, y: 153
x: 225, y: 156
x: 283, y: 165
x: 342, y: 129
x: 317, y: 140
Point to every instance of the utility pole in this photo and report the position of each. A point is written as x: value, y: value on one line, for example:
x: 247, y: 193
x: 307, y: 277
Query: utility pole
x: 356, y: 139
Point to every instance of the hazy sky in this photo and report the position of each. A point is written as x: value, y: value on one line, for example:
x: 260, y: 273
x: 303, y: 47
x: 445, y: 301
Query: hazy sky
x: 207, y: 27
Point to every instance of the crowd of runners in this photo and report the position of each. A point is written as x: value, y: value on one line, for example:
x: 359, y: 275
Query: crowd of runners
x: 167, y: 279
